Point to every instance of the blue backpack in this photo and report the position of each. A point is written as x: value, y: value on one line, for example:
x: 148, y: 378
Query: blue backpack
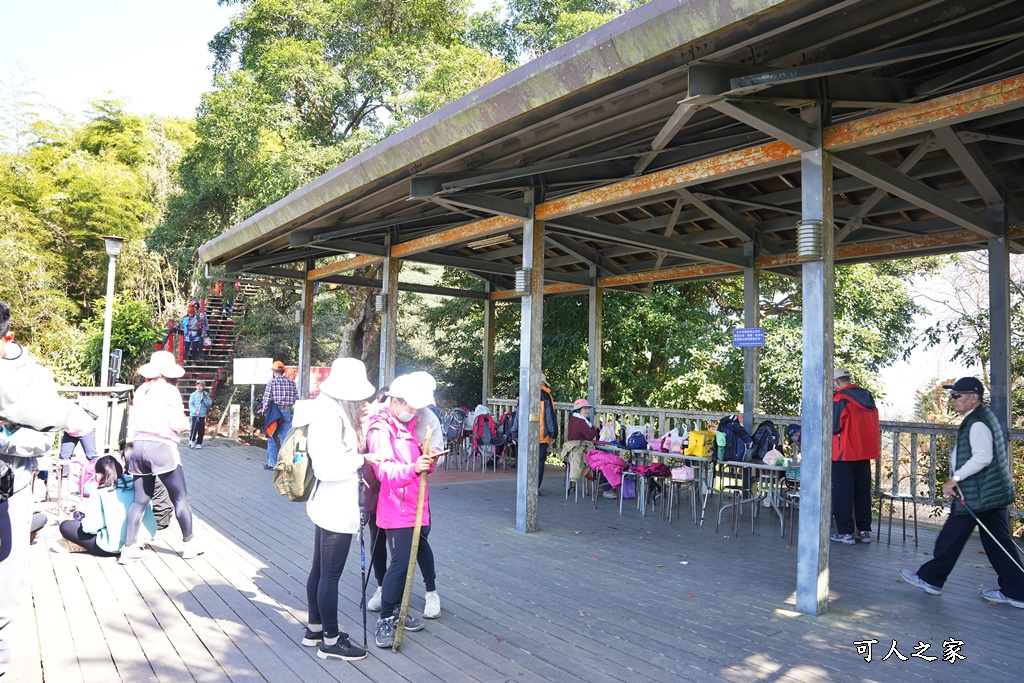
x: 637, y: 441
x: 737, y: 441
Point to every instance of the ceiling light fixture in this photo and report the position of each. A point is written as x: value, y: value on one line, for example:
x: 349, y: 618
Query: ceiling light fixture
x: 490, y: 241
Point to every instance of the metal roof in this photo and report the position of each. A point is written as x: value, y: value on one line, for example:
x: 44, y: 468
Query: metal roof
x: 666, y: 145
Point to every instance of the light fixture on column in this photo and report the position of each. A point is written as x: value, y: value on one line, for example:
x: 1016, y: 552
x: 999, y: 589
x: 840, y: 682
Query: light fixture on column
x: 523, y: 276
x: 380, y: 302
x: 809, y: 240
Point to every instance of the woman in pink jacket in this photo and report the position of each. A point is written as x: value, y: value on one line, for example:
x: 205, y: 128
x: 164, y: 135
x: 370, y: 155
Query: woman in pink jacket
x: 391, y: 439
x: 155, y: 422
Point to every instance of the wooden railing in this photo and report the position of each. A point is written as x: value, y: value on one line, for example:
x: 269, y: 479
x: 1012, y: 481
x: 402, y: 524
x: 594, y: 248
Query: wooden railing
x: 915, y: 455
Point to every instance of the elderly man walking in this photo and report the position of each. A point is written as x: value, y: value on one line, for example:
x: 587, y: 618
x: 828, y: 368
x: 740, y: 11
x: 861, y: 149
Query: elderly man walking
x: 979, y: 483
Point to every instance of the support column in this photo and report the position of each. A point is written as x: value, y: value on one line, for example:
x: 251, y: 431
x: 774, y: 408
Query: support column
x: 306, y: 333
x: 816, y: 251
x: 488, y: 365
x: 751, y: 354
x: 530, y: 337
x: 999, y: 320
x: 389, y: 316
x: 595, y: 339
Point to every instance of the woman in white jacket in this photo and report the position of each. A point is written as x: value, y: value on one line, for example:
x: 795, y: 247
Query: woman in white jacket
x: 334, y: 441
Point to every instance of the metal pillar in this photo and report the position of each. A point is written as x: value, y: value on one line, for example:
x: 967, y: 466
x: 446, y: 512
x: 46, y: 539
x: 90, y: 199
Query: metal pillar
x: 812, y: 573
x: 530, y: 337
x: 751, y: 354
x: 488, y: 374
x: 306, y: 333
x: 388, y: 316
x: 999, y: 320
x: 595, y: 339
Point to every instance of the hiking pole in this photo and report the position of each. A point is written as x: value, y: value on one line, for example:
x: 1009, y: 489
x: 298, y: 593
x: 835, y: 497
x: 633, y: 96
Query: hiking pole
x: 362, y: 549
x: 991, y: 535
x: 410, y: 573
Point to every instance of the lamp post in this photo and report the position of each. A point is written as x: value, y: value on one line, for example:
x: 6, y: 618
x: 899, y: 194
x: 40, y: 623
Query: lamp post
x: 113, y: 246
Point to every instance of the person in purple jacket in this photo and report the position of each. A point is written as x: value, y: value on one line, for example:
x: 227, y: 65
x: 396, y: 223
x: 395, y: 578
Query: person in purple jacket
x: 391, y: 439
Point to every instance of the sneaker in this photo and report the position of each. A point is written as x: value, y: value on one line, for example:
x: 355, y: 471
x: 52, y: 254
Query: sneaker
x: 191, y: 550
x: 915, y: 580
x: 312, y: 638
x: 267, y: 467
x: 132, y: 553
x: 845, y: 539
x: 412, y: 624
x: 373, y: 604
x: 432, y: 608
x: 191, y: 444
x: 610, y: 493
x: 864, y: 536
x: 385, y: 633
x: 343, y: 649
x: 199, y: 446
x: 995, y: 595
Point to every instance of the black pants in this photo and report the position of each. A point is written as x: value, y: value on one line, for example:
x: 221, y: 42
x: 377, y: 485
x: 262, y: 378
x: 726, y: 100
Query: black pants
x: 330, y: 550
x: 162, y: 508
x: 198, y: 429
x: 379, y: 554
x: 72, y: 531
x: 851, y: 495
x: 542, y: 457
x: 399, y: 546
x: 144, y: 486
x: 952, y: 539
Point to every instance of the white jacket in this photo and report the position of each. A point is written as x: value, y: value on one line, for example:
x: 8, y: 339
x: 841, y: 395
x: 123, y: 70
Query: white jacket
x: 335, y: 453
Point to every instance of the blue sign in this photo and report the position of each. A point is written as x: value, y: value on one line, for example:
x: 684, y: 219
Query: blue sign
x: 748, y: 336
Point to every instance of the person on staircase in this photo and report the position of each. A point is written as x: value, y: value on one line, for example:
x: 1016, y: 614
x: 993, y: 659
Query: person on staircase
x: 196, y: 326
x: 283, y: 393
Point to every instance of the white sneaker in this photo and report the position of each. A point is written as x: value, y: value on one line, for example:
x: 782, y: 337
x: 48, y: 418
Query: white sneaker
x: 199, y: 445
x: 432, y: 608
x: 191, y: 444
x: 132, y: 553
x: 373, y: 604
x: 191, y: 550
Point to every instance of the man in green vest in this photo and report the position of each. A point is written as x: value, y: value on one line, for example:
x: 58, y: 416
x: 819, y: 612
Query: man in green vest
x: 980, y: 483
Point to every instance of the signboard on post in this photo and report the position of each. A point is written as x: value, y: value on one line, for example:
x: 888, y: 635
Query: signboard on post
x: 252, y: 370
x: 748, y: 336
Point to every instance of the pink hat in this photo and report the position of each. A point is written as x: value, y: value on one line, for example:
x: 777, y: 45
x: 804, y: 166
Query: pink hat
x: 581, y: 403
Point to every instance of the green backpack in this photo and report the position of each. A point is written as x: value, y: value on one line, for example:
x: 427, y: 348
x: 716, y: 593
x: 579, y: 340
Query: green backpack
x: 293, y: 474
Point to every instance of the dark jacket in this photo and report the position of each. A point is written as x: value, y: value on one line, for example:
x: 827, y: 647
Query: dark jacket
x: 579, y: 430
x: 856, y: 434
x: 990, y: 488
x: 548, y: 417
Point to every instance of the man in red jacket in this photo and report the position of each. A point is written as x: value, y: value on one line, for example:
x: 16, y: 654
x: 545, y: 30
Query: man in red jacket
x: 856, y: 441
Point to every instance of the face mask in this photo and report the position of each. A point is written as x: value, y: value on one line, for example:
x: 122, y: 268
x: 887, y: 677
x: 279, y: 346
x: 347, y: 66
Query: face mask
x: 406, y: 417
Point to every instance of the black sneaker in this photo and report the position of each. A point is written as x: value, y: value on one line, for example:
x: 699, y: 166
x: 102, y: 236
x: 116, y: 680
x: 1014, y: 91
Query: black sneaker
x: 343, y: 649
x: 385, y: 634
x: 312, y: 638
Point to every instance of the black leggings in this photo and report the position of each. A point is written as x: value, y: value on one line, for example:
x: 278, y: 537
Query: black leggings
x: 400, y: 545
x: 72, y: 531
x: 330, y: 549
x: 174, y: 481
x: 379, y: 555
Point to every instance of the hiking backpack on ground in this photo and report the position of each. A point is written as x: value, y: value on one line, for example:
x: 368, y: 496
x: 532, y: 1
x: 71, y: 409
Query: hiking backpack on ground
x: 293, y: 473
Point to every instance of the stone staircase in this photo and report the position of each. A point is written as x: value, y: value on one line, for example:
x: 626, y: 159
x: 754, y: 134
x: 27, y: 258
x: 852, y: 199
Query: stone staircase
x: 224, y: 332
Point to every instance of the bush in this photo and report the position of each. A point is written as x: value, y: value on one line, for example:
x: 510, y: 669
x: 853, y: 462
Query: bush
x: 134, y: 330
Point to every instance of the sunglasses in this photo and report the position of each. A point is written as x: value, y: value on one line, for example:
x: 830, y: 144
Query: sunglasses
x: 956, y: 396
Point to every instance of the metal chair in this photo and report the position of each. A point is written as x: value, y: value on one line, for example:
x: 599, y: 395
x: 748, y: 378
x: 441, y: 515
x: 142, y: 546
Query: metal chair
x: 903, y: 499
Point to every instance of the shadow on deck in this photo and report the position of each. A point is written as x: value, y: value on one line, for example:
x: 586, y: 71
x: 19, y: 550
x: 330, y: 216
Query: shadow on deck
x: 592, y: 596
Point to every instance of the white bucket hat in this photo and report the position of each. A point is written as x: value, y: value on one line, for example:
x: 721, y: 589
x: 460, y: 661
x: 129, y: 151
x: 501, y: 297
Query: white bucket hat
x: 161, y: 364
x: 416, y: 389
x: 347, y: 381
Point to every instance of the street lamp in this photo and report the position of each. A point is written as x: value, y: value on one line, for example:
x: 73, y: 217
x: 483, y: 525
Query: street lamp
x: 113, y: 246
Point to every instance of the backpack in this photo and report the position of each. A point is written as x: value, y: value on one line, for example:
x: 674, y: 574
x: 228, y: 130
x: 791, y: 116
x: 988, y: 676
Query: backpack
x: 484, y: 431
x: 293, y: 473
x: 637, y: 441
x: 451, y: 424
x: 505, y: 424
x: 736, y: 442
x: 765, y: 438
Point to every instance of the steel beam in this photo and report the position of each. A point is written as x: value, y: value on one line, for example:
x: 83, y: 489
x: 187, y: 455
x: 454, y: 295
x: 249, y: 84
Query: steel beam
x: 812, y: 577
x: 241, y: 264
x: 868, y: 168
x: 723, y: 215
x: 980, y: 173
x: 530, y: 359
x: 343, y: 266
x: 487, y: 203
x: 769, y: 119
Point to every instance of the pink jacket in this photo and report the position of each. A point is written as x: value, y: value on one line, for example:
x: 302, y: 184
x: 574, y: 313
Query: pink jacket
x: 611, y: 466
x: 394, y: 442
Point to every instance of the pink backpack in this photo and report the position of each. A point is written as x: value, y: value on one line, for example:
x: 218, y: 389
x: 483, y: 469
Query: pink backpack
x: 87, y: 479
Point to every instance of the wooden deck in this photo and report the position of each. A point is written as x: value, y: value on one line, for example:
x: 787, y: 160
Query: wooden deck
x: 593, y: 596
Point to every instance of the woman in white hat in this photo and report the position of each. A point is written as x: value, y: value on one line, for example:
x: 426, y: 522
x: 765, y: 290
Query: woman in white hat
x: 334, y: 440
x: 155, y: 421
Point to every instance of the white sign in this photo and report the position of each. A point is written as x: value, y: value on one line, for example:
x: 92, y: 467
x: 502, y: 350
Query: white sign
x: 252, y: 370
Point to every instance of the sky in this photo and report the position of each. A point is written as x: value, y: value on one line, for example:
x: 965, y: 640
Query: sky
x: 151, y: 53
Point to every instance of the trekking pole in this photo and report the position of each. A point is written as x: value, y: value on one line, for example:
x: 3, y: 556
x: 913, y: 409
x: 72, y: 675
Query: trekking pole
x: 410, y: 573
x: 991, y: 535
x: 362, y: 550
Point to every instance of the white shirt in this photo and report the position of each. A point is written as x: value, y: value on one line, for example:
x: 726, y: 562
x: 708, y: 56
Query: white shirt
x: 980, y: 438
